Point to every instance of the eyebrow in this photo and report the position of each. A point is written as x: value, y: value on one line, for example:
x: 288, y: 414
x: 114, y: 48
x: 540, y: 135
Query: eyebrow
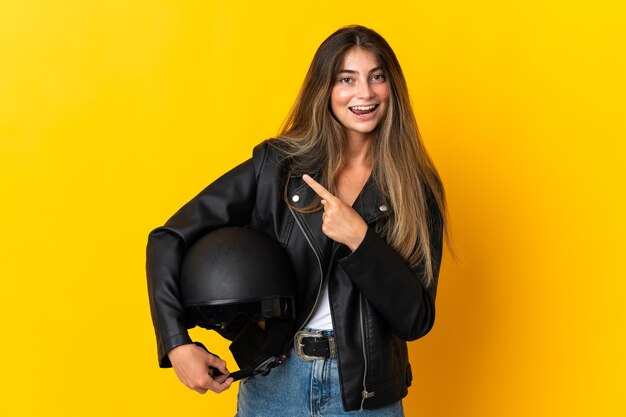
x: 347, y: 71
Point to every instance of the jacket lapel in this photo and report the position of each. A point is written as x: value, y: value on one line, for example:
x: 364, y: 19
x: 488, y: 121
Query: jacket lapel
x: 301, y: 195
x: 370, y: 203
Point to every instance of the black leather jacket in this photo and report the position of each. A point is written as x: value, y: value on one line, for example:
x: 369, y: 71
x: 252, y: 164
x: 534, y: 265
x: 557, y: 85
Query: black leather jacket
x: 377, y: 301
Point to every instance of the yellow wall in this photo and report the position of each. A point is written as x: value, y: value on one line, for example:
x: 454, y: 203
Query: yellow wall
x: 115, y: 113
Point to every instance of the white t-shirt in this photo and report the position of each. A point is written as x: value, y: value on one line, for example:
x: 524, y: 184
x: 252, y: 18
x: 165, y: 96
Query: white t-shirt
x: 320, y: 319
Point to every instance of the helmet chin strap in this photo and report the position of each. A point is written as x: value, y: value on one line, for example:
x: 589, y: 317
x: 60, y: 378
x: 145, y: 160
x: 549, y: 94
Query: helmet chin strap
x: 262, y: 367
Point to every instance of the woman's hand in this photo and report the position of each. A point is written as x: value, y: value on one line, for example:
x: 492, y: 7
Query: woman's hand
x: 340, y: 222
x: 191, y: 364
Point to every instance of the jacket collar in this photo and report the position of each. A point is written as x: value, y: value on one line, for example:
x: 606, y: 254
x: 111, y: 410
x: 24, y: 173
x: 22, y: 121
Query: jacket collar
x: 370, y: 203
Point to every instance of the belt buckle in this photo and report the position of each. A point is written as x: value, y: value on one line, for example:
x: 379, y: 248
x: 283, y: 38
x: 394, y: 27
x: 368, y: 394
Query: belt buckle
x: 298, y: 345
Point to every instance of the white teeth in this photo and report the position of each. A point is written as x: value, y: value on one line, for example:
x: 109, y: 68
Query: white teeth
x: 362, y: 108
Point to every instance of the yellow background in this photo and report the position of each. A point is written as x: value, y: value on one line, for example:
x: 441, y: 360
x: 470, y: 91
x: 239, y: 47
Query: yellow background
x: 113, y: 114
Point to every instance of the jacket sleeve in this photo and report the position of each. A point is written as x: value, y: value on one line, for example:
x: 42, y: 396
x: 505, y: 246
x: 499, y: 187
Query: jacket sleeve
x: 229, y: 201
x: 395, y: 290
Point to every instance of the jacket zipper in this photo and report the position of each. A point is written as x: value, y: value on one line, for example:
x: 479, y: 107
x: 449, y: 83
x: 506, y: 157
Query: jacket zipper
x: 319, y: 263
x: 365, y: 394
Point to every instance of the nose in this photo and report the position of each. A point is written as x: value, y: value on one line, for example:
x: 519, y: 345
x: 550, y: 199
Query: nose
x: 365, y: 91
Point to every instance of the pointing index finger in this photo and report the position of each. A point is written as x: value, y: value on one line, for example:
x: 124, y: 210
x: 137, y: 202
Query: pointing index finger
x: 317, y: 187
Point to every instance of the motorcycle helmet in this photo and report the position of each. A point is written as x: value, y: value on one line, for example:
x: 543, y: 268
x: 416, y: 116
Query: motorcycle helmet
x: 240, y: 283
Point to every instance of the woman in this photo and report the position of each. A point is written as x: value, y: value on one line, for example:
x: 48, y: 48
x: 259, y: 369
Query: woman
x: 349, y: 191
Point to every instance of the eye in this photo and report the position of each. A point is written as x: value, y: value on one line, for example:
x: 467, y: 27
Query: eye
x: 345, y: 80
x: 378, y: 77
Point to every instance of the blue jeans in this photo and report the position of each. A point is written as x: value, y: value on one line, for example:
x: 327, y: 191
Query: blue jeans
x: 297, y: 388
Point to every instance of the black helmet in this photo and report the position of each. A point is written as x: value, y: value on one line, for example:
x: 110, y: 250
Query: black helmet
x: 239, y: 282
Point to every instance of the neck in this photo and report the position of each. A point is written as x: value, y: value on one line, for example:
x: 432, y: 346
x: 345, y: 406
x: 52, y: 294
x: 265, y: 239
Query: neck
x: 357, y: 149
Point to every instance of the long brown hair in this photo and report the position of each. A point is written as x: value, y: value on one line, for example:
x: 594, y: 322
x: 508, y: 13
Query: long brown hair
x: 314, y: 140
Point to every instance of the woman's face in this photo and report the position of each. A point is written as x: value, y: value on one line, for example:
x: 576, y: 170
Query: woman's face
x: 360, y: 94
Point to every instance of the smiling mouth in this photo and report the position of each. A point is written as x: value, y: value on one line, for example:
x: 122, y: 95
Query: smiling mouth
x: 363, y: 109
